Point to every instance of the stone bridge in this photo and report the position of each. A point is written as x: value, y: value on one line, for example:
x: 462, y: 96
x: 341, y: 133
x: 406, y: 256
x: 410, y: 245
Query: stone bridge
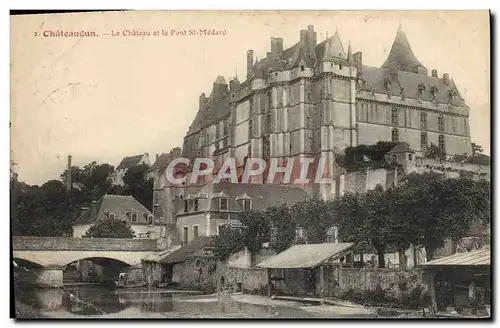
x: 49, y: 255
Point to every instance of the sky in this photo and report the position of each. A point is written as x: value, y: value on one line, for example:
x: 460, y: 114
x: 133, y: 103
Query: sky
x: 104, y: 98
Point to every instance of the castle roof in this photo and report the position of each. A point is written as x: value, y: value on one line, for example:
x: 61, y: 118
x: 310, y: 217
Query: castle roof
x: 164, y: 159
x: 401, y: 55
x: 330, y: 48
x: 375, y: 78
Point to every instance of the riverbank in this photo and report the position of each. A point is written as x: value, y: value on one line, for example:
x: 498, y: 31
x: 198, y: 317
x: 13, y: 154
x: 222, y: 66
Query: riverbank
x: 342, y: 310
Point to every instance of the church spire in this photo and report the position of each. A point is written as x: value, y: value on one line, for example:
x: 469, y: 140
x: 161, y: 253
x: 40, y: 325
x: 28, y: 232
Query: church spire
x: 401, y: 55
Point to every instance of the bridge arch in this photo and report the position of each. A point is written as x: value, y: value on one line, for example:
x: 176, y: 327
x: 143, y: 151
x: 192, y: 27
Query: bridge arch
x: 22, y: 261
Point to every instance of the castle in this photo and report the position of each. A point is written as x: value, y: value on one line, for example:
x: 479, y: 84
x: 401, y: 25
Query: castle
x: 314, y: 100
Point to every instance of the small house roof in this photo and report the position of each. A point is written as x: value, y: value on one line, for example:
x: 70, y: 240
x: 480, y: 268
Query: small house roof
x: 306, y: 256
x: 477, y: 257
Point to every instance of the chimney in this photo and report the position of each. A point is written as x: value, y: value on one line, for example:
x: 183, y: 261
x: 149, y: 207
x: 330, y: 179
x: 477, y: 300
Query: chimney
x: 268, y: 54
x: 434, y: 73
x: 311, y: 35
x: 357, y: 60
x: 303, y: 35
x: 446, y: 79
x: 276, y: 46
x: 68, y: 177
x: 203, y: 100
x: 249, y: 62
x: 157, y: 156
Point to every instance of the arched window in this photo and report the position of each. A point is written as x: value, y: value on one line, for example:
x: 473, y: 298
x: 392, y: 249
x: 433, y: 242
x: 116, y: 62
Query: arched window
x: 111, y: 216
x: 395, y: 135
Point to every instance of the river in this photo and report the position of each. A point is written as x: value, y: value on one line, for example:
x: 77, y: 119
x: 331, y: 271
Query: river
x: 105, y: 302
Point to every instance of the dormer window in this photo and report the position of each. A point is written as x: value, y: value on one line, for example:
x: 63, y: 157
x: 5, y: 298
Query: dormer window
x: 247, y: 204
x: 223, y: 204
x: 301, y: 68
x: 133, y: 217
x: 150, y: 219
x: 111, y: 216
x: 195, y: 205
x: 186, y: 205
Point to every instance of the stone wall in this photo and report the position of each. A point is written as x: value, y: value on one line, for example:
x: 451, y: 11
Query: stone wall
x: 389, y: 280
x: 196, y: 274
x: 83, y: 244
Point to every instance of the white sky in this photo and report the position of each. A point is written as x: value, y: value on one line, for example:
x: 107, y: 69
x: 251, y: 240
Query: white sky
x: 109, y: 97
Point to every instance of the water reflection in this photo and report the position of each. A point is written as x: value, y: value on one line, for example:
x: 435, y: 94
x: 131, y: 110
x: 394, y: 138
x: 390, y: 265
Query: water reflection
x: 98, y: 300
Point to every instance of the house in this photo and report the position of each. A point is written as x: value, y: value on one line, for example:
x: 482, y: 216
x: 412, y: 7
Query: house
x: 125, y: 164
x: 126, y: 208
x: 218, y: 204
x: 460, y: 281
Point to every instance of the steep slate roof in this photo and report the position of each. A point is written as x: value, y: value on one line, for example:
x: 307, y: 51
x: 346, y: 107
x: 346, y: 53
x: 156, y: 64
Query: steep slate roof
x: 164, y: 159
x: 262, y: 195
x: 401, y: 54
x: 130, y: 161
x: 117, y: 204
x: 194, y: 248
x: 330, y: 48
x: 375, y: 77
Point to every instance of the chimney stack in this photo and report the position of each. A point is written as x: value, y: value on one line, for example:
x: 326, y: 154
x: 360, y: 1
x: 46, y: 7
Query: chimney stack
x: 203, y: 100
x: 68, y: 176
x: 357, y: 60
x: 157, y: 156
x: 276, y: 46
x: 311, y: 35
x: 446, y: 79
x: 249, y: 62
x: 434, y: 73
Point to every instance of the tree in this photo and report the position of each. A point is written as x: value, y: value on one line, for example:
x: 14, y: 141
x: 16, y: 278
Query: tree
x: 284, y: 226
x: 438, y: 208
x: 312, y: 215
x: 476, y: 149
x: 433, y: 151
x: 110, y: 228
x: 228, y: 242
x: 138, y: 185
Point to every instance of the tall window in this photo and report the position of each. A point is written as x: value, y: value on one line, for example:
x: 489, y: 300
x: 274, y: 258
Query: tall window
x: 394, y: 119
x: 440, y: 123
x: 226, y: 127
x: 223, y: 204
x: 423, y: 121
x: 186, y: 206
x: 150, y: 219
x: 423, y: 141
x: 195, y: 232
x: 269, y: 101
x: 268, y: 122
x: 441, y: 144
x: 185, y: 236
x: 395, y: 135
x: 247, y: 204
x: 217, y: 131
x: 250, y: 128
x: 196, y: 205
x: 250, y: 105
x: 266, y: 147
